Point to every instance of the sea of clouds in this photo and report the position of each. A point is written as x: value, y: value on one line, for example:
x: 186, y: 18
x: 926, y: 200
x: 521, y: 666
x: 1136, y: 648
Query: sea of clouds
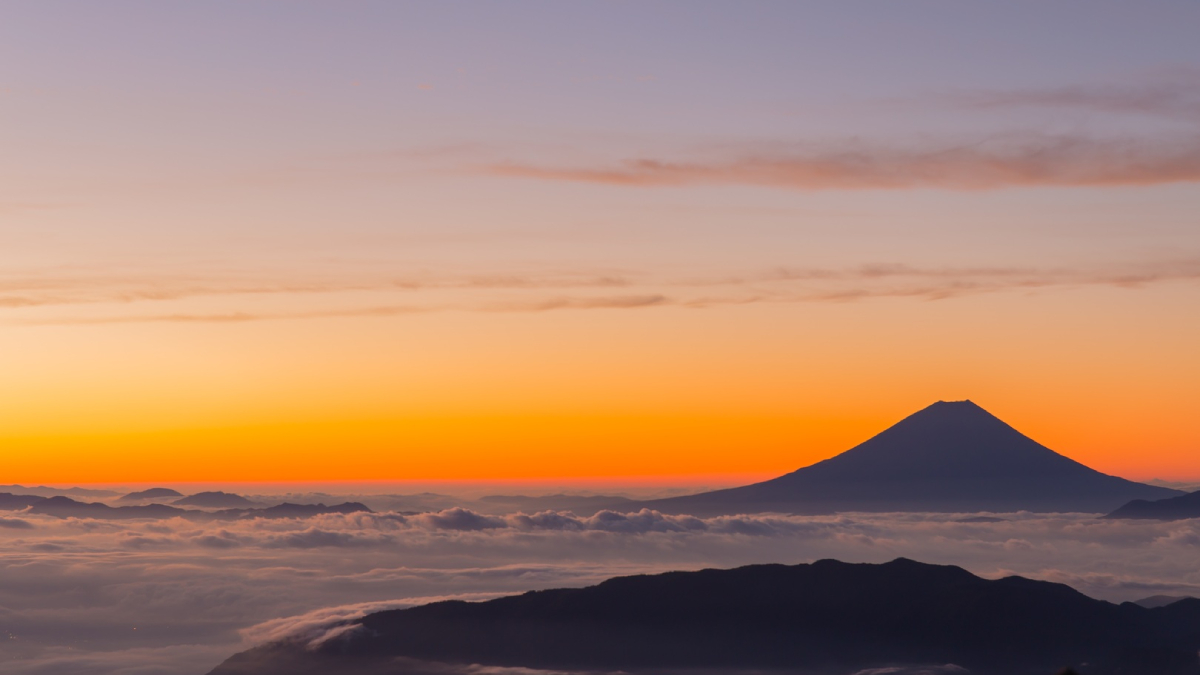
x: 172, y: 597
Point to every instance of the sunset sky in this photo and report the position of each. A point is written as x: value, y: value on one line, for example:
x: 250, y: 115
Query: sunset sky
x: 259, y: 241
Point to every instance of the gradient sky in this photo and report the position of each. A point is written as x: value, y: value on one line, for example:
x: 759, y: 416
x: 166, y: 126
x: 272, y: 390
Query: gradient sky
x: 408, y: 241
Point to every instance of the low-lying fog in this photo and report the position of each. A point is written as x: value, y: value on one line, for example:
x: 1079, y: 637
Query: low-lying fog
x: 176, y: 597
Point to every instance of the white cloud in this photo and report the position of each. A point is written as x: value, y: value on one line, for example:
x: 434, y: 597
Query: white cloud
x: 69, y: 585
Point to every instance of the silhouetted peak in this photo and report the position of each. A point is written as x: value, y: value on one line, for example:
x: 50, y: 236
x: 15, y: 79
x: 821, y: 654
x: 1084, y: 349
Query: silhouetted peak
x: 964, y: 409
x: 949, y: 456
x: 61, y: 500
x: 152, y: 493
x: 947, y: 432
x: 215, y: 499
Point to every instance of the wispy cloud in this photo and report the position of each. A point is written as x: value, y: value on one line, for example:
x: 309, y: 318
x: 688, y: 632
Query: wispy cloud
x: 608, y: 302
x: 314, y: 626
x: 615, y: 302
x: 1025, y: 161
x: 938, y: 283
x: 1173, y: 94
x: 785, y: 284
x: 1003, y: 159
x: 37, y: 290
x: 233, y: 317
x: 71, y: 585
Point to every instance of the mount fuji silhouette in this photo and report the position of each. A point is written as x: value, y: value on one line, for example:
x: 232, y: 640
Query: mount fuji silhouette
x: 950, y: 457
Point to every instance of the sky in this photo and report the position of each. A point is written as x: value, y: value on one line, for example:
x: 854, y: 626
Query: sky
x: 317, y: 241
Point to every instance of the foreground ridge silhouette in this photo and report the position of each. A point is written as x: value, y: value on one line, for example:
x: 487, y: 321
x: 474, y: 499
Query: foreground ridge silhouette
x: 950, y: 457
x: 824, y: 618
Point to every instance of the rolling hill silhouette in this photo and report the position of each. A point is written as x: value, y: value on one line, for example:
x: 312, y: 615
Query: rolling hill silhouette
x: 824, y: 617
x: 949, y: 457
x: 152, y: 493
x: 216, y: 499
x: 1172, y: 508
x: 65, y: 507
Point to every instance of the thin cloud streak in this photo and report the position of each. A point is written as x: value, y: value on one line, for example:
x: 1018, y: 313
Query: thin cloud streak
x: 33, y: 291
x: 780, y: 285
x: 1031, y: 161
x: 1172, y: 95
x: 618, y: 302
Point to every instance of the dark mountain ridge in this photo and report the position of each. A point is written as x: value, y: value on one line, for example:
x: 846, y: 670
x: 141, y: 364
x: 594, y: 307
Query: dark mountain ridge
x: 11, y: 502
x: 825, y: 617
x: 949, y: 457
x: 65, y: 507
x: 1172, y: 508
x: 1161, y: 600
x: 217, y: 500
x: 151, y: 493
x: 44, y: 491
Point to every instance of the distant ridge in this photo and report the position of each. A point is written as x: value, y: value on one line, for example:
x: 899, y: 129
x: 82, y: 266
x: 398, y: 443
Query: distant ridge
x: 44, y: 491
x: 152, y: 493
x: 65, y: 507
x: 824, y: 618
x: 217, y: 500
x: 1161, y: 600
x: 1172, y: 508
x: 949, y: 457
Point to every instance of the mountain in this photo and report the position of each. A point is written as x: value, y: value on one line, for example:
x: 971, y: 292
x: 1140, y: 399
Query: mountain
x: 1161, y: 600
x: 152, y: 493
x: 11, y: 502
x: 216, y: 500
x: 949, y: 457
x: 286, y: 510
x: 43, y: 491
x: 65, y: 507
x: 1171, y: 508
x: 825, y: 617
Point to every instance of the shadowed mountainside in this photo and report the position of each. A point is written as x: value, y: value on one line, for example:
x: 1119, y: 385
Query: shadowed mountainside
x: 824, y: 617
x: 1171, y: 508
x: 949, y: 457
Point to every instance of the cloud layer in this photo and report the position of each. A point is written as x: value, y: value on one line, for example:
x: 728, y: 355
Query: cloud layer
x: 175, y: 597
x: 107, y: 300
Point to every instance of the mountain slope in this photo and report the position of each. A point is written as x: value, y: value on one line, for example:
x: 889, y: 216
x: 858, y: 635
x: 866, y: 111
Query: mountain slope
x: 824, y: 617
x: 949, y: 457
x: 216, y: 500
x: 65, y: 507
x: 1172, y: 508
x: 152, y: 493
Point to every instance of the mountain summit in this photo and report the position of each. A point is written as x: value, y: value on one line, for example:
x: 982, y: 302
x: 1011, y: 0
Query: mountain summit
x: 953, y: 456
